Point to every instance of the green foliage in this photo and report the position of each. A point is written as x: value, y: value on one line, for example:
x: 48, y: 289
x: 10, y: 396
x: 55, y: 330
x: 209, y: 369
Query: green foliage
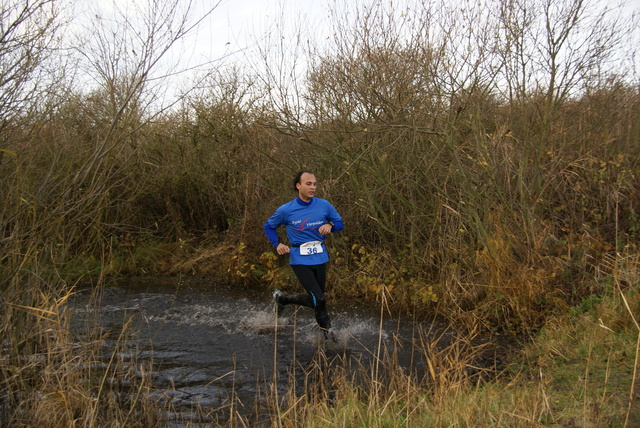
x: 586, y: 305
x: 587, y: 360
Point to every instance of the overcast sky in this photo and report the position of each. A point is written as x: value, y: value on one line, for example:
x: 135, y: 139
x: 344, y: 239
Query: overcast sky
x: 235, y: 28
x: 237, y: 25
x: 234, y: 20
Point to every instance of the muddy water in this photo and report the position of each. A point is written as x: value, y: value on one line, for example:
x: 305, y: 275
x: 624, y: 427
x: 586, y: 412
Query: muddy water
x: 209, y: 342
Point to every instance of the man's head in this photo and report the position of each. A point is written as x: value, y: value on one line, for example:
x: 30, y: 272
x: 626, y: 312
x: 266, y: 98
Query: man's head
x: 305, y: 184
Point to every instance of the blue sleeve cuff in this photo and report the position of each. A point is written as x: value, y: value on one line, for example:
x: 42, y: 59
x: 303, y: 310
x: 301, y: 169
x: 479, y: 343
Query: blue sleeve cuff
x: 338, y: 225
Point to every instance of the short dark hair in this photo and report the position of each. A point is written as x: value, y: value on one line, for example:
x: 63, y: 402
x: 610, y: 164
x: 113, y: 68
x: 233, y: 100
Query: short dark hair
x: 298, y: 176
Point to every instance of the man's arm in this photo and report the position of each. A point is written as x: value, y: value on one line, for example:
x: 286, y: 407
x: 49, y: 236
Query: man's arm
x: 334, y: 221
x: 338, y: 225
x: 271, y: 233
x: 332, y: 226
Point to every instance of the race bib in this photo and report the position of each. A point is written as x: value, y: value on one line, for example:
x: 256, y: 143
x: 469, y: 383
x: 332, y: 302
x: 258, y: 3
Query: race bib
x: 310, y: 248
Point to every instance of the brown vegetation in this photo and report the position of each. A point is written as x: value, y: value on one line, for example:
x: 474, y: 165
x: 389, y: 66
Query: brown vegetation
x: 485, y: 161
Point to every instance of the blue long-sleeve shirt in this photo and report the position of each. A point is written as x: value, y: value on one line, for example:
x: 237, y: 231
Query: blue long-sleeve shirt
x: 302, y: 221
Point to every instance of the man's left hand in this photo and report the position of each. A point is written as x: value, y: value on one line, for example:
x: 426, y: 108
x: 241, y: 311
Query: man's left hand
x: 325, y: 229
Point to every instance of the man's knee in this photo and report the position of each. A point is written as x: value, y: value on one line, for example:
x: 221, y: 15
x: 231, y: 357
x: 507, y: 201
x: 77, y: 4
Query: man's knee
x: 319, y: 302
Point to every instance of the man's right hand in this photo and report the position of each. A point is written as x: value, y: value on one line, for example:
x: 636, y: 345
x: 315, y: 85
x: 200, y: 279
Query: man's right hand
x: 282, y: 249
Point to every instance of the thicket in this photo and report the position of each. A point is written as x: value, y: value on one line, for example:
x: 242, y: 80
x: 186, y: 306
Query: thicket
x: 485, y: 160
x: 486, y: 165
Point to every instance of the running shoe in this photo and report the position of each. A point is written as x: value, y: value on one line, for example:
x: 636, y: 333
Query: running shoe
x: 329, y: 336
x: 277, y: 298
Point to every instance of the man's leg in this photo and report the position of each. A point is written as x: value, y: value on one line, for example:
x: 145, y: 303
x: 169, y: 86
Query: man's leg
x: 313, y: 280
x: 302, y: 299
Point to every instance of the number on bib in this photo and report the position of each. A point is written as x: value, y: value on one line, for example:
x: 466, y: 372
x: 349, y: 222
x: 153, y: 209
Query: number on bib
x: 310, y: 248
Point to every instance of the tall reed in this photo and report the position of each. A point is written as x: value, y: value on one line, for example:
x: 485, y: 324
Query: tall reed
x: 56, y: 375
x: 581, y: 369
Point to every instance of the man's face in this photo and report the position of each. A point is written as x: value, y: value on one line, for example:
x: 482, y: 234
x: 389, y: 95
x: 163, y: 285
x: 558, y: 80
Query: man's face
x: 307, y: 186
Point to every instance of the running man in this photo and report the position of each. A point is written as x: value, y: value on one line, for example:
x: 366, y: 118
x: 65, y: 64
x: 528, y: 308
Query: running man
x: 307, y: 220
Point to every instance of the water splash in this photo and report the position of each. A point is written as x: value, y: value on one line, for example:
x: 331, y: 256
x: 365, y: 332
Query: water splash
x: 206, y: 342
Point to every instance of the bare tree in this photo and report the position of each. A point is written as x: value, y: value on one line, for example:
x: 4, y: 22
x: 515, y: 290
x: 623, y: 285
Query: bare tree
x: 78, y: 159
x: 28, y: 36
x: 125, y: 49
x: 553, y: 47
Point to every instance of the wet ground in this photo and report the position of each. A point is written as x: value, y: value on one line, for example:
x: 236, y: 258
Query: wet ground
x: 213, y: 345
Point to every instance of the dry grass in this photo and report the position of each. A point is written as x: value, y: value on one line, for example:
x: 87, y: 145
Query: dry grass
x: 501, y: 214
x: 581, y: 370
x: 52, y: 377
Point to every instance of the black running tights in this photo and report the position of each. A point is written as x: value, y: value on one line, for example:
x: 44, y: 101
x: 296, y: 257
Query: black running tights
x: 313, y: 280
